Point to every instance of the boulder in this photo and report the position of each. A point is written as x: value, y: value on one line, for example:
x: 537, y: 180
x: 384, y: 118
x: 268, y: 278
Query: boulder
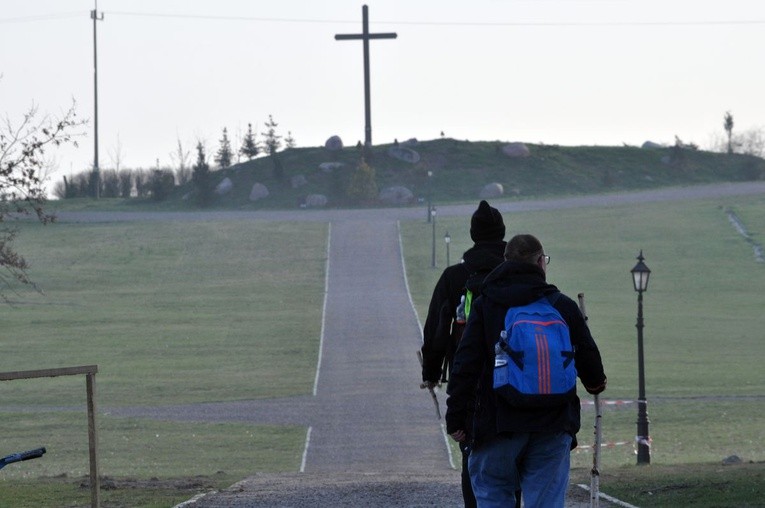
x: 516, y: 150
x: 492, y: 190
x: 396, y: 195
x: 334, y: 144
x: 410, y: 142
x: 315, y: 201
x: 328, y: 167
x: 651, y: 145
x: 404, y: 154
x: 298, y: 181
x: 224, y: 187
x: 259, y: 191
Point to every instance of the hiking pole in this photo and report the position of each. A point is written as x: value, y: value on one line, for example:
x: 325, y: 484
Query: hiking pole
x: 18, y: 457
x: 430, y: 388
x: 595, y: 472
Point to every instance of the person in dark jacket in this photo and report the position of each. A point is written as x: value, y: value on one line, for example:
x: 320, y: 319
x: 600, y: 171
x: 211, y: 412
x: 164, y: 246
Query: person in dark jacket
x: 441, y: 332
x: 516, y: 448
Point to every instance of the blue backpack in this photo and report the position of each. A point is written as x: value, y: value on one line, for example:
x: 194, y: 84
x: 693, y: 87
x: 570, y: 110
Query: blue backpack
x: 534, y: 357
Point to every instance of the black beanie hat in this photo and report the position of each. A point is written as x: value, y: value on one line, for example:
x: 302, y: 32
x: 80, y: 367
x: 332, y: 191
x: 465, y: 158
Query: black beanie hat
x: 487, y: 225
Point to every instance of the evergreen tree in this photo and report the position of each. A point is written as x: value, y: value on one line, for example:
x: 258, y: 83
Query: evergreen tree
x: 273, y: 140
x: 223, y: 157
x: 273, y: 143
x: 728, y: 125
x: 289, y: 141
x: 201, y: 179
x: 249, y: 145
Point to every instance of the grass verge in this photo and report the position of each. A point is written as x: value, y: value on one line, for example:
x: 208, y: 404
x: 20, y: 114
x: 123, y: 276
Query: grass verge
x: 664, y: 486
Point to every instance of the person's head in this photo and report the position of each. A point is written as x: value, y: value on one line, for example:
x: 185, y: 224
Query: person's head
x: 526, y: 249
x: 487, y: 225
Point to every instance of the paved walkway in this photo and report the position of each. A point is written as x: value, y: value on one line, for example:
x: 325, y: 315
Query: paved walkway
x: 372, y: 416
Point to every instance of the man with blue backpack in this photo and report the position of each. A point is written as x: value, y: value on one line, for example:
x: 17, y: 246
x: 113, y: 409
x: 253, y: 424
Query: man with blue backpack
x: 523, y: 347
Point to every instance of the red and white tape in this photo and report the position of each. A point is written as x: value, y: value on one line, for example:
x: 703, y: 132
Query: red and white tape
x: 608, y: 402
x: 610, y: 444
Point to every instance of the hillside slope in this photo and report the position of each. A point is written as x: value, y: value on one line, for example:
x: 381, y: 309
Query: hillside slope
x: 460, y: 169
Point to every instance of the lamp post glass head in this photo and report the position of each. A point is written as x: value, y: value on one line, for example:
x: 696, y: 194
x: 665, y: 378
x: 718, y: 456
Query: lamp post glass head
x: 433, y: 212
x: 640, y: 274
x: 447, y: 238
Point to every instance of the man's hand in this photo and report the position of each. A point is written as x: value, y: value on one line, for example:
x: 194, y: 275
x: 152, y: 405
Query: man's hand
x: 459, y: 436
x: 594, y: 390
x: 428, y: 384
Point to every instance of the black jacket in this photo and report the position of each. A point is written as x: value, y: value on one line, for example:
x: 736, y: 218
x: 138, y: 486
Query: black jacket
x: 437, y: 341
x: 509, y: 285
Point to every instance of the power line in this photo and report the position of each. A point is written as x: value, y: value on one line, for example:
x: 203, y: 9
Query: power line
x: 42, y: 17
x: 500, y: 24
x: 451, y: 23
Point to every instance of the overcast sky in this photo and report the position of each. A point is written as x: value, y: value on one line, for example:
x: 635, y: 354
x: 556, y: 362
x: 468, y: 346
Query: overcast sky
x: 568, y: 72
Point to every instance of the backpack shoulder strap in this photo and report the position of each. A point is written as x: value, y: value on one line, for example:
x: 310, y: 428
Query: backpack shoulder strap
x: 553, y: 297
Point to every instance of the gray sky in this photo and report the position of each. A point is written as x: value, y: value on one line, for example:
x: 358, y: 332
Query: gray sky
x: 569, y: 72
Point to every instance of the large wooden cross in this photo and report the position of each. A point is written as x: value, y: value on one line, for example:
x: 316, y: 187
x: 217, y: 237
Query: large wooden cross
x: 366, y: 36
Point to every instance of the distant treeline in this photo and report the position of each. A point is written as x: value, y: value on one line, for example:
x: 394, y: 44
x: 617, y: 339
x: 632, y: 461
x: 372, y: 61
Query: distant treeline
x: 158, y: 183
x: 127, y: 183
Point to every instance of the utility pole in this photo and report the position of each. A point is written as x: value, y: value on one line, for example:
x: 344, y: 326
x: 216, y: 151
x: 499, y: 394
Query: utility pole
x: 96, y: 172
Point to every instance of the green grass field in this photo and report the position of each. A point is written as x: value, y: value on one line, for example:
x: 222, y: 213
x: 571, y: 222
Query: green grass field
x: 202, y: 311
x: 171, y: 313
x: 703, y: 324
x: 703, y: 334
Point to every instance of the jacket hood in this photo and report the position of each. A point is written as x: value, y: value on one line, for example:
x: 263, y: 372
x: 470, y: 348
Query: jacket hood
x: 484, y: 255
x: 512, y: 284
x: 480, y: 260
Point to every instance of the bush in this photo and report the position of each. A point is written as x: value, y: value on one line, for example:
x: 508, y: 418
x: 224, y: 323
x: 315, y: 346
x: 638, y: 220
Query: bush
x: 141, y: 183
x: 161, y: 184
x: 126, y: 183
x: 110, y: 184
x: 361, y: 186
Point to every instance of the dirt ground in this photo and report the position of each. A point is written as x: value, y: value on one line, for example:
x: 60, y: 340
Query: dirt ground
x: 304, y: 490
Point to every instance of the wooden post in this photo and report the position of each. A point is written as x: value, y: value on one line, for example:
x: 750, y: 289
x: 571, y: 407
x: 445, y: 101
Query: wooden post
x: 95, y: 491
x: 90, y: 383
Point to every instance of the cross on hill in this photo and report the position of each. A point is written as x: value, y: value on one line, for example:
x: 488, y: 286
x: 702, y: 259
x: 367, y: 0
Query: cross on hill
x: 366, y: 37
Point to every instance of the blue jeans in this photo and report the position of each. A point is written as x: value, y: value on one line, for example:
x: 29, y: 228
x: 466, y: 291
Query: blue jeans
x: 536, y: 463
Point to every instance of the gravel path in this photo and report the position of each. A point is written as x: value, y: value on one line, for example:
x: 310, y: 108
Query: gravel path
x: 373, y: 439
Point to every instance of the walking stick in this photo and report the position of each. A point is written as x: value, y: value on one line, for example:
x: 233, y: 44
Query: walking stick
x: 595, y: 472
x: 430, y: 388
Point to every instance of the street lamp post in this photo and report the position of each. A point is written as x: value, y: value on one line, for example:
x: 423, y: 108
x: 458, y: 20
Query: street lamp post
x: 433, y: 221
x: 447, y: 241
x: 430, y: 175
x: 640, y: 275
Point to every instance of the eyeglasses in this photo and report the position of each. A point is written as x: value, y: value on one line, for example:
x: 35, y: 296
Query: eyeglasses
x: 546, y: 258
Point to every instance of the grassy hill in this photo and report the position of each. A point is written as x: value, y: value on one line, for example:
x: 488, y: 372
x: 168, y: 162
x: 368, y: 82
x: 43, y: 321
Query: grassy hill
x: 460, y: 169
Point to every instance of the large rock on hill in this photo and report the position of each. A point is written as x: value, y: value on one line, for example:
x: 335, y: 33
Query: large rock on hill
x: 396, y: 196
x: 259, y: 191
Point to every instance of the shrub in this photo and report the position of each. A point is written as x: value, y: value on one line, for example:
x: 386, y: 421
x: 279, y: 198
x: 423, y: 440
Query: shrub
x: 161, y: 184
x: 110, y: 184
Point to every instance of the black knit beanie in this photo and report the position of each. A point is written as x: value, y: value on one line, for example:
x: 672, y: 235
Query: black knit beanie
x: 487, y: 225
